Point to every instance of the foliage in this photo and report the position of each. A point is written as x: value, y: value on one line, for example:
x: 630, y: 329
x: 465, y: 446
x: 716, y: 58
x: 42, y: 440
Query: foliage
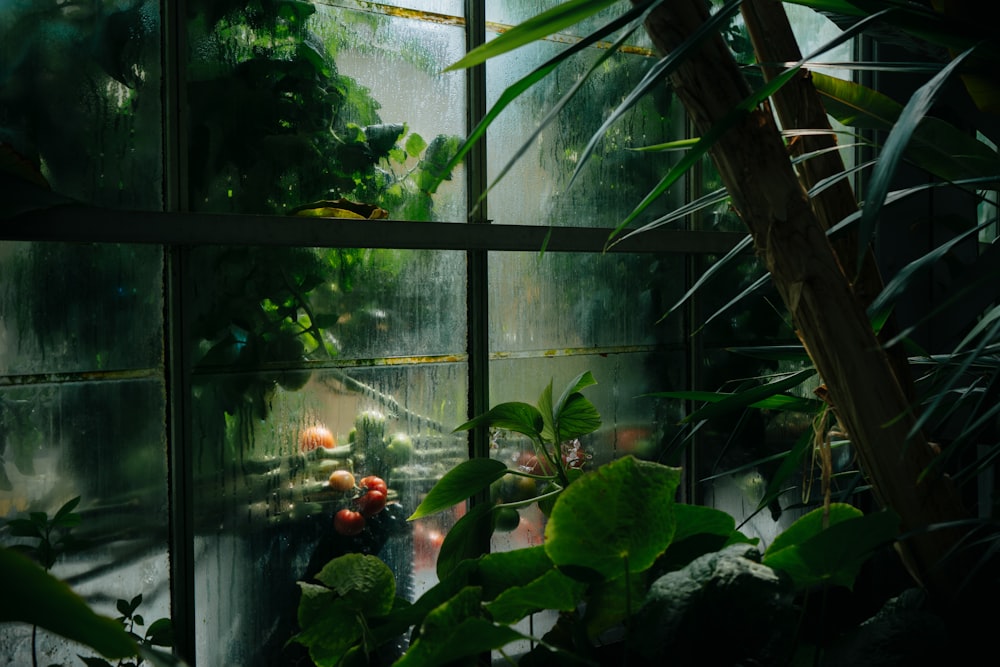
x: 616, y: 542
x: 34, y: 596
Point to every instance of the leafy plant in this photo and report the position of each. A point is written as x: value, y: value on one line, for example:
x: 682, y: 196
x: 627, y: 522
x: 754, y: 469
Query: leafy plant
x: 841, y: 310
x: 34, y: 596
x: 620, y: 557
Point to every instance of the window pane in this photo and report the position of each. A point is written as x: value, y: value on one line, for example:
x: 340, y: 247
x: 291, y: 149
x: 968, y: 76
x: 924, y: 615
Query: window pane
x: 81, y: 98
x: 329, y: 103
x: 77, y: 307
x: 82, y: 414
x: 368, y: 344
x: 616, y: 177
x: 559, y: 302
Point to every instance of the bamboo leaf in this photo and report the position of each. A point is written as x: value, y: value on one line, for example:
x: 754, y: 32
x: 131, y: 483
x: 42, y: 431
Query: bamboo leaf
x: 542, y: 25
x: 892, y: 153
x: 515, y: 90
x: 706, y: 275
x: 750, y: 397
x: 936, y: 146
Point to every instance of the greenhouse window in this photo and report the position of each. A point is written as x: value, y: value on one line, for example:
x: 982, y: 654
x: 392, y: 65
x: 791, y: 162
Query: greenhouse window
x: 231, y: 233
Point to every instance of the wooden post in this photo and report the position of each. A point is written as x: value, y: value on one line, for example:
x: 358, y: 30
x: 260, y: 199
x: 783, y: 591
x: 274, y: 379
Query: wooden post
x: 829, y: 317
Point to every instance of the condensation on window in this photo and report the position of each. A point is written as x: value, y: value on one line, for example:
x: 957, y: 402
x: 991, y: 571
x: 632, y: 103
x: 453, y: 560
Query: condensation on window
x: 82, y: 425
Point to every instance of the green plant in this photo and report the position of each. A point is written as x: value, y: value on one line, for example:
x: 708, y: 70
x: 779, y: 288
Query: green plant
x: 33, y: 595
x: 159, y: 633
x: 815, y: 238
x: 630, y: 571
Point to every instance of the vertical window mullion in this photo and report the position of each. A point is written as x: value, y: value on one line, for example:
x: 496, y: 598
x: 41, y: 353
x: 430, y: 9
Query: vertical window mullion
x: 176, y: 364
x: 477, y: 295
x: 478, y: 276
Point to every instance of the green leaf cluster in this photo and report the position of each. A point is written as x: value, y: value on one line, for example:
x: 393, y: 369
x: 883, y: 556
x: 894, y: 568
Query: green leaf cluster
x: 612, y: 534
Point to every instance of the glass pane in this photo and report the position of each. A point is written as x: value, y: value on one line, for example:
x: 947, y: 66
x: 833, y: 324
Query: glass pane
x: 81, y: 98
x: 264, y: 503
x: 559, y: 303
x: 367, y: 344
x: 78, y: 307
x: 323, y: 103
x: 616, y: 177
x: 513, y: 12
x: 448, y: 8
x: 256, y: 306
x: 82, y: 415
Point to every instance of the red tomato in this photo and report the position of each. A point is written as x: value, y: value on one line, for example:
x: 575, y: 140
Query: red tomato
x: 373, y: 483
x: 348, y: 522
x: 371, y: 503
x: 341, y: 480
x: 316, y: 436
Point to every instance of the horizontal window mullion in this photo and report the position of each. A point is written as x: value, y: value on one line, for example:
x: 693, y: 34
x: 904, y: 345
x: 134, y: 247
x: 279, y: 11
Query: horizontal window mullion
x: 90, y: 224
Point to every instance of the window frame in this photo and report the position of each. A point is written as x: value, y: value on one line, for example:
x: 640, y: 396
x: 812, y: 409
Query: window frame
x: 177, y: 230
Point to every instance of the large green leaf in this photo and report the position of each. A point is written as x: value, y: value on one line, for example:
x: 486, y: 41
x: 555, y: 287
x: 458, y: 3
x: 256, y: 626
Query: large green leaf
x: 830, y: 548
x: 364, y: 582
x: 514, y: 416
x: 552, y: 590
x: 466, y: 539
x: 616, y: 519
x: 33, y: 596
x: 456, y: 629
x: 497, y: 571
x: 329, y: 625
x: 458, y: 484
x: 572, y: 414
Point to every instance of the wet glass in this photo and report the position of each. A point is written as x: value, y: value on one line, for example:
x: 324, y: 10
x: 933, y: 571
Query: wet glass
x: 82, y: 416
x: 615, y: 176
x: 80, y: 105
x: 324, y: 103
x: 309, y: 363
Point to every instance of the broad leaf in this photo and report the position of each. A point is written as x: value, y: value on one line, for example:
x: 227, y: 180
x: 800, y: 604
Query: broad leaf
x: 454, y: 630
x: 499, y: 570
x: 813, y: 555
x: 33, y: 596
x: 617, y: 518
x: 363, y: 581
x: 553, y: 590
x: 466, y: 539
x: 458, y: 484
x: 330, y: 627
x: 578, y: 417
x: 513, y: 416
